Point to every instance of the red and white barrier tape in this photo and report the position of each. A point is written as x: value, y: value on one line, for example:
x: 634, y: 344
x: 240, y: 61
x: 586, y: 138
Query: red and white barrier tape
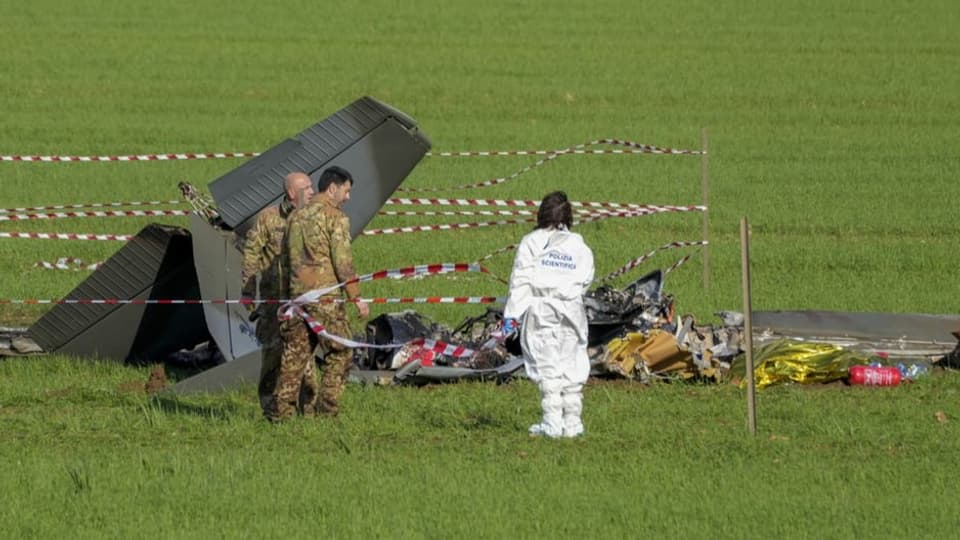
x: 435, y: 300
x: 528, y: 203
x: 498, y: 252
x: 583, y: 211
x: 622, y: 270
x: 550, y: 156
x: 295, y: 308
x: 250, y: 301
x: 639, y: 260
x: 410, y: 271
x: 67, y: 236
x: 307, y: 298
x: 100, y: 213
x: 487, y: 183
x: 461, y: 213
x: 321, y: 330
x: 578, y: 152
x: 445, y: 227
x: 85, y: 205
x: 444, y: 348
x: 130, y: 301
x: 314, y: 296
x: 588, y: 217
x: 677, y: 264
x: 597, y: 215
x: 439, y: 347
x: 67, y: 263
x: 140, y: 157
x: 636, y: 148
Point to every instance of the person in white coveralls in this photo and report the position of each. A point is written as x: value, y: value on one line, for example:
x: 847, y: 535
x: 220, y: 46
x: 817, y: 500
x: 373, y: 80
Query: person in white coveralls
x: 552, y: 270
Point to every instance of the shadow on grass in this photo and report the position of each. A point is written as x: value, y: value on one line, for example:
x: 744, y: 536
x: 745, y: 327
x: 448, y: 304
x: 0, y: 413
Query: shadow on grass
x: 178, y: 371
x: 224, y: 410
x: 465, y: 420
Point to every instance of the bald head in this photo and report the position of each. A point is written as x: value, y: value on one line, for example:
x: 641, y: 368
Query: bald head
x: 298, y: 188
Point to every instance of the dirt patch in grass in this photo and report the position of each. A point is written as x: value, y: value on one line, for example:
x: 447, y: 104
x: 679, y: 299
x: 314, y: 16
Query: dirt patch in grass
x: 156, y: 382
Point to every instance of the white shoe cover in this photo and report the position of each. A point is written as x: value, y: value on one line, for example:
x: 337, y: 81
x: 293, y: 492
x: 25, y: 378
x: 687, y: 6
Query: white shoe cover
x: 541, y: 430
x: 572, y: 399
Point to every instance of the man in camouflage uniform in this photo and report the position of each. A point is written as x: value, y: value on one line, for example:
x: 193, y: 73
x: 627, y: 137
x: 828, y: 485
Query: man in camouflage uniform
x: 261, y: 255
x: 317, y: 254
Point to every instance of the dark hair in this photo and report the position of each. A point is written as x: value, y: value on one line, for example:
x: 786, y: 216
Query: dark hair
x: 333, y: 175
x: 555, y: 210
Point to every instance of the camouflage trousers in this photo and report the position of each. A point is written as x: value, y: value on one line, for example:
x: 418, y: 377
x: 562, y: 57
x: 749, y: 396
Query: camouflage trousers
x: 297, y: 358
x: 271, y: 351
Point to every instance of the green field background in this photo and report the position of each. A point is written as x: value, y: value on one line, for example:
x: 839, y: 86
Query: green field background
x: 833, y: 126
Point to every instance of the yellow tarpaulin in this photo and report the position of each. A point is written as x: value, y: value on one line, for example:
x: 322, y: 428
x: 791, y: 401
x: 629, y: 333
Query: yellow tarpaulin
x: 797, y: 361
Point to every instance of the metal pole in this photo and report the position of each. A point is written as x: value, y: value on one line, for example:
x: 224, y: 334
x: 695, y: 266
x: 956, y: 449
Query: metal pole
x: 705, y: 192
x: 748, y: 326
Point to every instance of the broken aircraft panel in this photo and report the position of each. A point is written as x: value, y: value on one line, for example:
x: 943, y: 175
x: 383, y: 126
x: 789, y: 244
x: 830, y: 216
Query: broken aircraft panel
x: 377, y: 143
x: 895, y: 334
x: 157, y: 263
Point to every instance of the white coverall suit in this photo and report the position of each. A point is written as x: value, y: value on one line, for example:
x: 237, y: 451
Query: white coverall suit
x: 552, y: 270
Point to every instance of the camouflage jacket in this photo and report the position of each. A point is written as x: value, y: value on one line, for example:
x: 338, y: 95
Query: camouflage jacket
x: 262, y: 251
x: 317, y: 248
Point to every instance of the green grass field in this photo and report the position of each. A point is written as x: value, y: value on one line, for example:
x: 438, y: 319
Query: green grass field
x: 833, y: 127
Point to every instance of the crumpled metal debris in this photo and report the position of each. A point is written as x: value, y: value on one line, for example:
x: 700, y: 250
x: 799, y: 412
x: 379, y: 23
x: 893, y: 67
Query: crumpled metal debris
x: 395, y: 328
x: 639, y: 306
x: 632, y: 333
x: 658, y: 354
x: 645, y: 355
x: 414, y: 363
x: 202, y: 204
x: 15, y: 342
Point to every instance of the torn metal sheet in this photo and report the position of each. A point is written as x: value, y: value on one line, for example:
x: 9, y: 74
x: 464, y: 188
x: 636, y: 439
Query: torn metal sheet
x: 894, y: 334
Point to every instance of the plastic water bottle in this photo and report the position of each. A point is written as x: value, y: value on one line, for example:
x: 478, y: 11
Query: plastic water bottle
x: 875, y: 375
x: 911, y: 372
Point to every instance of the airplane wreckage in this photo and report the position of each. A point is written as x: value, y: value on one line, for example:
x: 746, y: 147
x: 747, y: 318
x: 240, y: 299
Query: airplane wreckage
x: 633, y: 331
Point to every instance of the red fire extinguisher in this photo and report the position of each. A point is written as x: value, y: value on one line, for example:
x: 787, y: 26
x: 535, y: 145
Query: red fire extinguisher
x: 875, y: 375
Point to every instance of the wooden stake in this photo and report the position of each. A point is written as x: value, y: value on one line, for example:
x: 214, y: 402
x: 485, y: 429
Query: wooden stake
x: 748, y: 326
x: 705, y: 197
